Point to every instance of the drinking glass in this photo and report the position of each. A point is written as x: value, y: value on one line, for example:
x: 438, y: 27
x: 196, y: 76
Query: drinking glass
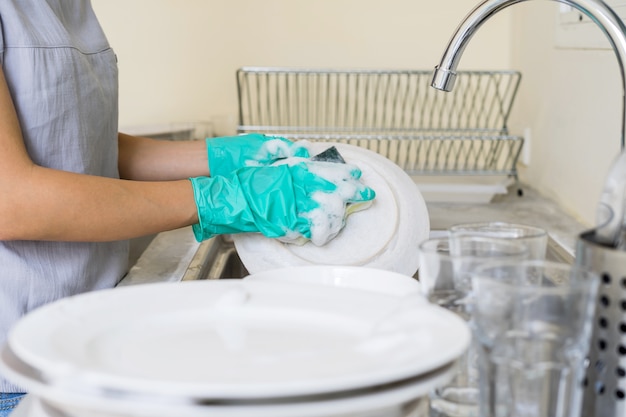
x: 532, y: 323
x: 444, y: 277
x: 534, y: 238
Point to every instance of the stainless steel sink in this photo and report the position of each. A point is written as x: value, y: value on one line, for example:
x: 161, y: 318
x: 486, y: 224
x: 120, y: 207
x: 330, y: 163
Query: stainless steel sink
x: 217, y: 259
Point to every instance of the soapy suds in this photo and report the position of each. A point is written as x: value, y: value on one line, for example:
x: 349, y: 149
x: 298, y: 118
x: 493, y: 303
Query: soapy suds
x: 278, y: 149
x: 328, y: 219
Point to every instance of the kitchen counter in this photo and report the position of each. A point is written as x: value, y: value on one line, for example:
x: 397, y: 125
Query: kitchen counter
x: 175, y: 255
x: 532, y: 208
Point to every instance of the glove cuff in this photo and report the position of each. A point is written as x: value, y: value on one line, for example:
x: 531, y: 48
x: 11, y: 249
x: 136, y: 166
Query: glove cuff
x: 249, y: 200
x: 200, y: 229
x: 222, y: 207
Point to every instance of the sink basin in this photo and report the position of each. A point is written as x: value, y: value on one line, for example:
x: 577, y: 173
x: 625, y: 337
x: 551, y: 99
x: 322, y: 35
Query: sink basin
x: 217, y: 259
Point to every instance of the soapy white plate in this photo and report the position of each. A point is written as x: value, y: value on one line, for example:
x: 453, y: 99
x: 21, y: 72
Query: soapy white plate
x: 384, y: 236
x: 236, y: 339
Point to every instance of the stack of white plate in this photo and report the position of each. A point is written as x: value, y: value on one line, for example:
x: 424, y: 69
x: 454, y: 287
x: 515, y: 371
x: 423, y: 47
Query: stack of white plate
x: 254, y: 347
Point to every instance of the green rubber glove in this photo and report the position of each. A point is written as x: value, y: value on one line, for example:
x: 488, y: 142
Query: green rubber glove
x: 289, y: 202
x: 229, y: 153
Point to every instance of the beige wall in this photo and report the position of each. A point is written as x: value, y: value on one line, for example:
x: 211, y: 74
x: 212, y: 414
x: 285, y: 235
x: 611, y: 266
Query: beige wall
x: 177, y: 62
x: 571, y: 99
x: 178, y: 59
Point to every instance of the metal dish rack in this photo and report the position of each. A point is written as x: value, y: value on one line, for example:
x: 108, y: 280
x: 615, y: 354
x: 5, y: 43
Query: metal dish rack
x: 393, y: 112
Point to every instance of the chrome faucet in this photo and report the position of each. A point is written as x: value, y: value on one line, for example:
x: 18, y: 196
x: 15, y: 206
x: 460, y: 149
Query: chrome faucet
x: 597, y: 10
x: 601, y: 249
x: 611, y: 213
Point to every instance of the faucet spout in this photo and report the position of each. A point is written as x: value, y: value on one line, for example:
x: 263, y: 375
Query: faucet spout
x: 608, y: 21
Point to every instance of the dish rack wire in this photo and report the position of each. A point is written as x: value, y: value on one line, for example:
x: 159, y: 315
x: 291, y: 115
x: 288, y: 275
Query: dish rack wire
x: 393, y: 112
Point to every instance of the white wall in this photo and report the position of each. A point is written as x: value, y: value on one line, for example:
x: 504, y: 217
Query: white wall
x: 177, y: 62
x: 178, y: 59
x: 572, y: 101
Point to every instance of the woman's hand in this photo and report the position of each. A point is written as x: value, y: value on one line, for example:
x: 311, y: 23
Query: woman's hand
x: 305, y: 200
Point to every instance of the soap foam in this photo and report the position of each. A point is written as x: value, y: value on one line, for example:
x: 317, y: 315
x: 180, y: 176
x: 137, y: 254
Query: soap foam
x: 277, y: 149
x: 327, y: 220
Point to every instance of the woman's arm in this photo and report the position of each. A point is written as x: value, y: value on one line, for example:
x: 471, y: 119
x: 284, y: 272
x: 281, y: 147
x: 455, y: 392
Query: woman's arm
x: 147, y: 159
x: 38, y: 203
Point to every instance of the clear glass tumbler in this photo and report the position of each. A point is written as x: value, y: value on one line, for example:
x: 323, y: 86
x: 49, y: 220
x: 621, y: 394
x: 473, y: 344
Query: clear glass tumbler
x: 534, y: 238
x: 444, y: 277
x: 532, y: 323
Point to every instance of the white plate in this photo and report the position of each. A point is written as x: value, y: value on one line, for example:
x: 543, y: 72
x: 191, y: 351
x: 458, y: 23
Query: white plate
x: 236, y: 339
x: 385, y: 236
x: 394, y: 400
x: 355, y: 277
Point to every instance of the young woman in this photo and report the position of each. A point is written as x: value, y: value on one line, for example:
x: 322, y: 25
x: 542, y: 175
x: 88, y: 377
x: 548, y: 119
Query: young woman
x: 73, y: 189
